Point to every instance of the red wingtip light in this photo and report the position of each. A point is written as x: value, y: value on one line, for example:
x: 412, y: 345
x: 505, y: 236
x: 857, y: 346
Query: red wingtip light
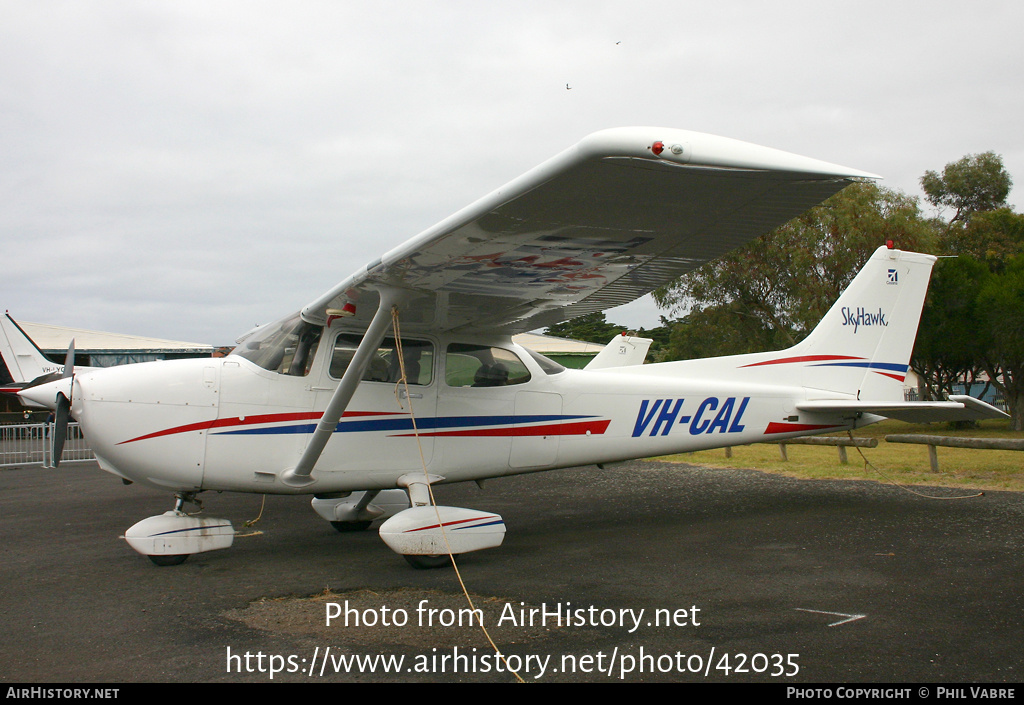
x: 658, y: 148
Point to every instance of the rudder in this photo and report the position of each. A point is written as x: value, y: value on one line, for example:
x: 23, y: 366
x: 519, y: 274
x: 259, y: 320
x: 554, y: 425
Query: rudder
x: 862, y: 346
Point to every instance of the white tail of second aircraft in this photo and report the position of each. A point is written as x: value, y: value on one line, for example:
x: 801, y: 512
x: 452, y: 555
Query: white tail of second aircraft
x: 24, y: 360
x: 622, y: 351
x: 861, y: 348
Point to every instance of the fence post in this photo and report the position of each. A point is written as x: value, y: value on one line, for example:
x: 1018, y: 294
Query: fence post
x: 47, y: 444
x: 933, y: 457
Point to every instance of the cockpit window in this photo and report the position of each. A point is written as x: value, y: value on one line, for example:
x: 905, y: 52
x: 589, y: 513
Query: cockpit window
x: 417, y: 357
x: 483, y: 366
x: 287, y: 347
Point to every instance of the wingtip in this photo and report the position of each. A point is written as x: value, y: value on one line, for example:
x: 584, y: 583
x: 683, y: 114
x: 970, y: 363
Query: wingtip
x: 708, y: 150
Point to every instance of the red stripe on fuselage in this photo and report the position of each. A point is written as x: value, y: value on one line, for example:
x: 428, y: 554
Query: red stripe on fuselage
x: 803, y: 358
x: 776, y: 427
x: 251, y: 421
x: 898, y: 378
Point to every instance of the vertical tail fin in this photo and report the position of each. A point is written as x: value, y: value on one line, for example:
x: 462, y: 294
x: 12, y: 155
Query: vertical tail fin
x: 859, y: 350
x: 24, y: 360
x: 863, y: 344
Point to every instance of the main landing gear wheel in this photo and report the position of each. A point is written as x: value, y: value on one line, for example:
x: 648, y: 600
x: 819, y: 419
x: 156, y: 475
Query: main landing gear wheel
x: 169, y: 560
x: 349, y: 526
x: 430, y: 562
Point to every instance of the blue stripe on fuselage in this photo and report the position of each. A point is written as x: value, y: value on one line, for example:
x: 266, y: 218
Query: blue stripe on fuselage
x: 405, y: 424
x: 892, y: 367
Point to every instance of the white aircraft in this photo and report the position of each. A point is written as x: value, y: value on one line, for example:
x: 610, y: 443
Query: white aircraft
x: 404, y: 376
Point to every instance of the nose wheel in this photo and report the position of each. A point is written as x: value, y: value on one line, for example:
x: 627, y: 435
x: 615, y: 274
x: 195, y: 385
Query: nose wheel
x: 170, y: 538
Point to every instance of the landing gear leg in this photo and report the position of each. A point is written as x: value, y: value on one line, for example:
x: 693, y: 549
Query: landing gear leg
x: 183, y: 498
x: 356, y: 511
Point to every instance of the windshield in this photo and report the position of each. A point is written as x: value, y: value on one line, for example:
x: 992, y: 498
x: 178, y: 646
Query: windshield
x: 287, y: 346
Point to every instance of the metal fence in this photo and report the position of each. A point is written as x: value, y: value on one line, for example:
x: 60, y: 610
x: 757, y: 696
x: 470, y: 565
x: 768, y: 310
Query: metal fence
x: 32, y: 444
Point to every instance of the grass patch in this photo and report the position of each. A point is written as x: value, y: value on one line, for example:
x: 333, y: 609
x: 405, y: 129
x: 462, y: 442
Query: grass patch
x: 898, y: 463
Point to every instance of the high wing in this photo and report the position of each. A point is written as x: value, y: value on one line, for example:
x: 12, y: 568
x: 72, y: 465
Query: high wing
x: 601, y: 224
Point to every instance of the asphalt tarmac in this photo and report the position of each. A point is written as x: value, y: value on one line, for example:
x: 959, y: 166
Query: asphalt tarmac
x: 640, y: 572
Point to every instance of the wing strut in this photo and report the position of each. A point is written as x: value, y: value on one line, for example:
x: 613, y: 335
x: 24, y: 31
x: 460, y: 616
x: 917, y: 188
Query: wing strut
x: 299, y: 476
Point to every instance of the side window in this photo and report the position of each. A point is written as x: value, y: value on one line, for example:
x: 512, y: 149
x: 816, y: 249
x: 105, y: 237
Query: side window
x: 417, y: 357
x: 483, y: 366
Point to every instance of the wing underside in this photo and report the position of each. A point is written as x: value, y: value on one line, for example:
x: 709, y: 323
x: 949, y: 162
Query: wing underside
x: 596, y: 227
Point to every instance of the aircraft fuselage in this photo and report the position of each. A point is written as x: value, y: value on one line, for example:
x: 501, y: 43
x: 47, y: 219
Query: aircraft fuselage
x: 230, y: 424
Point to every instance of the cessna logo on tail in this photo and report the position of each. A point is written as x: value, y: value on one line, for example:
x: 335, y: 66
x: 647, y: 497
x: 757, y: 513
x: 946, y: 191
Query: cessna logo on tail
x: 862, y: 317
x: 711, y: 416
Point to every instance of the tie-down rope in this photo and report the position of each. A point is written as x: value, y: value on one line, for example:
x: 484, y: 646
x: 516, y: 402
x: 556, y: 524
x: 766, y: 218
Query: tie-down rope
x: 404, y: 383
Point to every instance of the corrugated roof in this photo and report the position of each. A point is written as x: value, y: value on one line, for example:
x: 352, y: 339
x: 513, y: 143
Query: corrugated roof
x: 57, y: 338
x: 551, y: 345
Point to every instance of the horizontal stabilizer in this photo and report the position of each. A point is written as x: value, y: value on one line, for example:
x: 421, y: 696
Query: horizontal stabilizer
x: 958, y: 408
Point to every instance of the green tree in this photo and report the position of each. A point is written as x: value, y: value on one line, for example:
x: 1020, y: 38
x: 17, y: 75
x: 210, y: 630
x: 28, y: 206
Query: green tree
x: 660, y: 336
x: 719, y: 330
x: 977, y: 182
x: 1001, y: 313
x: 776, y: 289
x: 951, y: 344
x: 990, y: 237
x: 974, y: 303
x: 592, y: 328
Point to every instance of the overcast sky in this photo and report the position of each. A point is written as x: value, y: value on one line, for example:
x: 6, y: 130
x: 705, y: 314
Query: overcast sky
x: 186, y: 170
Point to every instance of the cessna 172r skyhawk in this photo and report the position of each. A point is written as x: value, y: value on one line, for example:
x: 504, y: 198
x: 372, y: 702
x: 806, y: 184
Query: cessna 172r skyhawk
x: 404, y: 376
